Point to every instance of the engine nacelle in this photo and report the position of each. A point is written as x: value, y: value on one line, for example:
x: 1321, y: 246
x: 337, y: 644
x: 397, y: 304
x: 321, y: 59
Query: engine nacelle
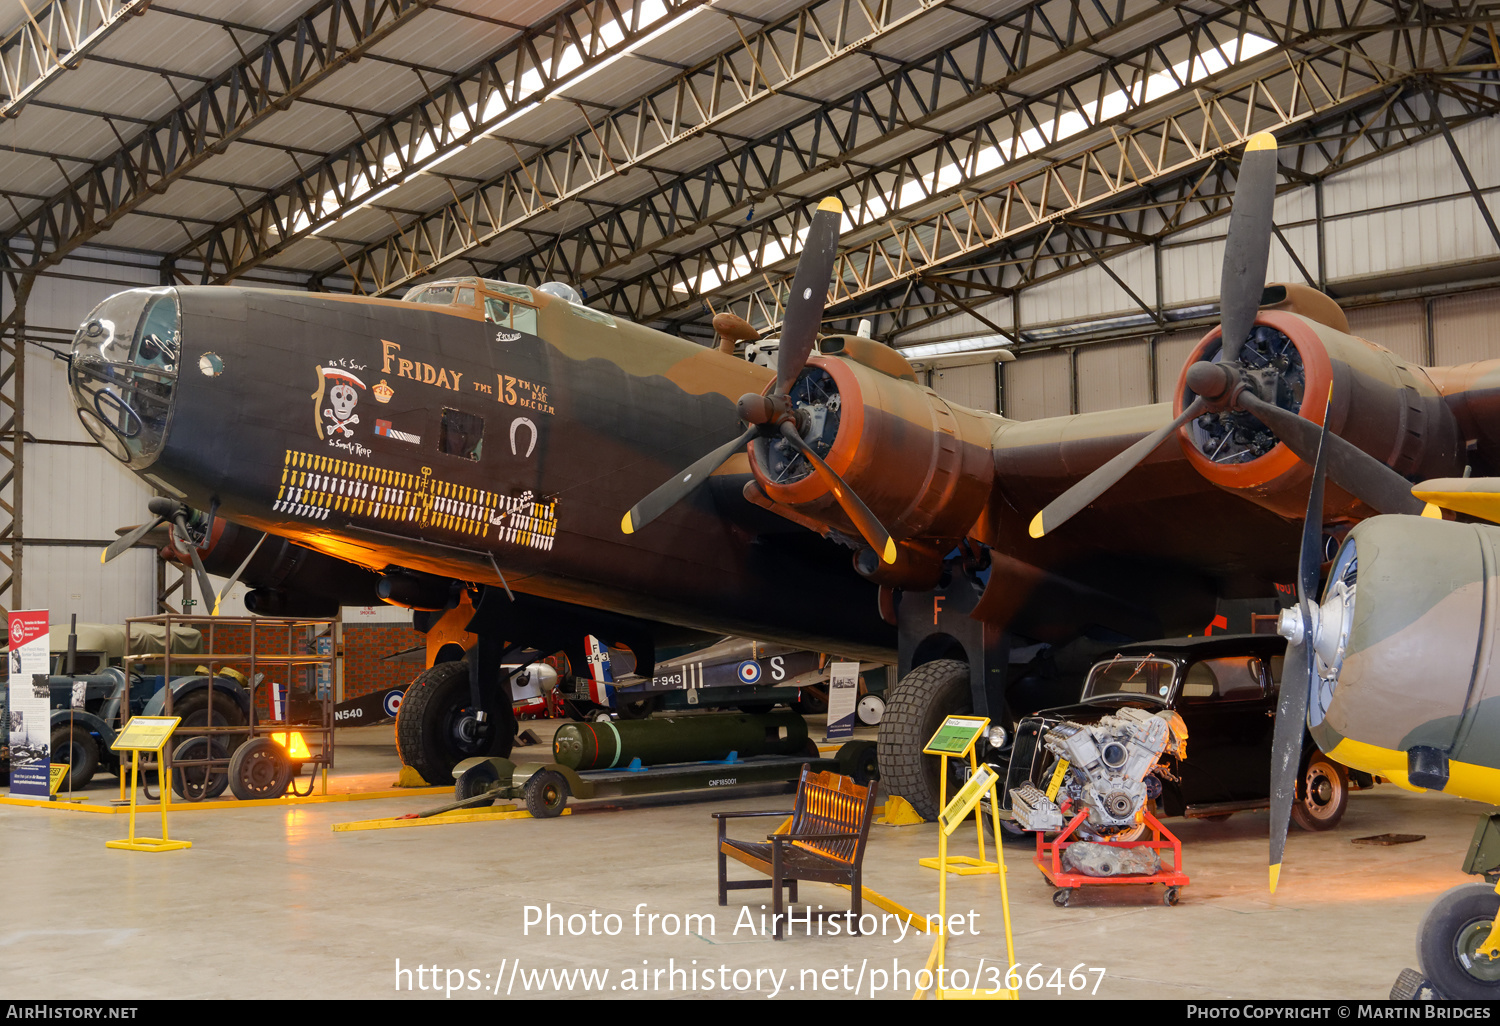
x: 922, y: 465
x: 1382, y: 404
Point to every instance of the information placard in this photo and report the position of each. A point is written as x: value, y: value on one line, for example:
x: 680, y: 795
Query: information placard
x: 843, y: 695
x: 145, y: 733
x: 30, y: 708
x: 956, y: 736
x: 977, y: 785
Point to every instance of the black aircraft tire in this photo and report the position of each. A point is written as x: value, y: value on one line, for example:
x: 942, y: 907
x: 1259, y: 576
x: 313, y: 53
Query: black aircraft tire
x: 918, y: 705
x: 82, y: 755
x: 431, y: 714
x: 1454, y: 926
x: 1322, y: 794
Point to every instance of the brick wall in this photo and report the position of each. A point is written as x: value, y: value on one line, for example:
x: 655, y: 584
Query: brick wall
x: 365, y: 644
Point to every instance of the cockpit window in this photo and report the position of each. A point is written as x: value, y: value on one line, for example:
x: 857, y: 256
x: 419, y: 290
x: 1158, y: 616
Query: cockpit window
x: 435, y: 295
x: 513, y: 315
x: 124, y: 371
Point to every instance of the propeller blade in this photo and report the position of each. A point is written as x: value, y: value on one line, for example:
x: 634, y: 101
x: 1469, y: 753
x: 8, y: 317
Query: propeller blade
x: 1248, y: 244
x: 233, y: 580
x: 1286, y: 746
x: 804, y: 310
x: 1297, y: 669
x: 680, y: 487
x: 871, y: 528
x: 1062, y: 509
x: 1349, y: 466
x: 205, y: 586
x: 125, y: 541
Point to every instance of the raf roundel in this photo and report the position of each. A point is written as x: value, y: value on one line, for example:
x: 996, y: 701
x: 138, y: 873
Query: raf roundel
x: 392, y: 702
x: 749, y: 672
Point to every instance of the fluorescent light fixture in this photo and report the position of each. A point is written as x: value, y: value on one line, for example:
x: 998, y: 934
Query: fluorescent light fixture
x: 957, y: 345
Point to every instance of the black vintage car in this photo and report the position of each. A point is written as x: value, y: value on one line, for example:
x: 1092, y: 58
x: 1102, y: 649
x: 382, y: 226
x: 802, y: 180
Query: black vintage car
x: 1225, y: 690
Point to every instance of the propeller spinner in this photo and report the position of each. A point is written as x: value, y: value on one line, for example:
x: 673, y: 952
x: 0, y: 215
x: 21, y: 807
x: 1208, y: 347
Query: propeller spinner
x: 1229, y: 386
x: 775, y: 415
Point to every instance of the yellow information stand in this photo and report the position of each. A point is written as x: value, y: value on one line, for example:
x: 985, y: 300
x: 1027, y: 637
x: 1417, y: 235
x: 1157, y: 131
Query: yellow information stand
x: 982, y: 781
x: 955, y: 740
x: 147, y: 734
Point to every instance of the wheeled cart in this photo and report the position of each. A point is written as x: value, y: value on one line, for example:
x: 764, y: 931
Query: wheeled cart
x: 546, y: 788
x: 1049, y: 861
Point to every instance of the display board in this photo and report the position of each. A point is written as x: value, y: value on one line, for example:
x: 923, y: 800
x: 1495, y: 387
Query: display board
x: 30, y: 708
x: 843, y: 695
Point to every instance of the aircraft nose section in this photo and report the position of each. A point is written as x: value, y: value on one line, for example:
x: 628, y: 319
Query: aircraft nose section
x: 124, y: 372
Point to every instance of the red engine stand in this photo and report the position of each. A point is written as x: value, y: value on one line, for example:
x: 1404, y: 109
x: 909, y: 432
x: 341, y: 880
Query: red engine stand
x: 1049, y: 861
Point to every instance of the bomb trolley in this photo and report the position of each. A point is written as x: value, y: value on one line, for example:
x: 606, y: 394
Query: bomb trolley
x: 610, y: 760
x: 1049, y: 859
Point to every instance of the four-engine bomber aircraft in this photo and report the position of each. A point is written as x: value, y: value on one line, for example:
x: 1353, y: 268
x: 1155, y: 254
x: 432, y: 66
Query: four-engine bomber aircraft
x: 483, y: 441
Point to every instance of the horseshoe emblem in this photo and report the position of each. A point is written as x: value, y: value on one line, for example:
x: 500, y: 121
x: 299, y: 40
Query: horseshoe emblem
x: 522, y: 422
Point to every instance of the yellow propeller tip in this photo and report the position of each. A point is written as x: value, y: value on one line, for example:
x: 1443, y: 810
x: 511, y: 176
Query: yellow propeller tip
x: 103, y: 555
x: 1433, y: 511
x: 889, y: 555
x: 831, y: 203
x: 1261, y: 141
x: 625, y: 524
x: 1275, y: 876
x: 1037, y: 530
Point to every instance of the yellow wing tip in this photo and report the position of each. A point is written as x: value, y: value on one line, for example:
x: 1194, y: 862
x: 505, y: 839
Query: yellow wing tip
x: 889, y: 555
x: 1037, y: 530
x: 831, y: 203
x: 1261, y: 141
x: 1275, y: 876
x: 625, y: 524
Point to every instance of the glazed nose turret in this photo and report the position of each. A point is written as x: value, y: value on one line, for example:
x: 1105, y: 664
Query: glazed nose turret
x: 124, y: 372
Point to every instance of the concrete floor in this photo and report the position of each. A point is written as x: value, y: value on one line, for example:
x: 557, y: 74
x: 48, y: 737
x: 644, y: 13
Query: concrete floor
x: 271, y: 902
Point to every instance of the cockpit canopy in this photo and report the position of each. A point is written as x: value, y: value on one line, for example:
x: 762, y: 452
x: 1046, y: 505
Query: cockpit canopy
x: 124, y: 370
x: 512, y: 306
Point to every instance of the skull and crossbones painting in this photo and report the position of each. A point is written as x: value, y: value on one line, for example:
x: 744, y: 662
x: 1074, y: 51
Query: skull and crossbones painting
x: 342, y: 391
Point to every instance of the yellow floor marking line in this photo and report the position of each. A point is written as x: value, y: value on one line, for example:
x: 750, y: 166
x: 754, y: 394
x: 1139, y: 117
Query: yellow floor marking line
x: 441, y: 819
x: 231, y: 803
x: 913, y: 919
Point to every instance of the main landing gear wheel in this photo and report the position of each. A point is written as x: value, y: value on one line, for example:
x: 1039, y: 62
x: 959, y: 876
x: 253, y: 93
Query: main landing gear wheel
x: 260, y: 769
x: 437, y: 726
x: 546, y: 794
x: 925, y: 697
x: 1322, y: 794
x: 1451, y: 932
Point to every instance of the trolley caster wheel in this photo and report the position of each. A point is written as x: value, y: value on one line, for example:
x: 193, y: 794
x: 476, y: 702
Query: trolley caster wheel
x: 1170, y: 896
x: 1061, y: 895
x: 546, y: 794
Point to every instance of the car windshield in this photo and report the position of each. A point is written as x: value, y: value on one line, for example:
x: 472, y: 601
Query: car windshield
x: 1138, y: 676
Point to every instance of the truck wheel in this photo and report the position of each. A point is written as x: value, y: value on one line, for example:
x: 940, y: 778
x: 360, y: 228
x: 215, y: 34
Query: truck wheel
x: 1322, y: 794
x: 193, y: 709
x: 1447, y: 941
x: 260, y: 769
x: 924, y: 698
x: 82, y: 755
x: 436, y: 726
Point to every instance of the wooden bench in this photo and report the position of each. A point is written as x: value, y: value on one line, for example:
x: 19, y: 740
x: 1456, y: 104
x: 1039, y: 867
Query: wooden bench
x: 826, y: 842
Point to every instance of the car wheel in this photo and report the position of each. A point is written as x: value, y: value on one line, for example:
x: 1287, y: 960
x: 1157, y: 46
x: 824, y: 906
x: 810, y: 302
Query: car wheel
x: 1450, y: 934
x: 1322, y: 794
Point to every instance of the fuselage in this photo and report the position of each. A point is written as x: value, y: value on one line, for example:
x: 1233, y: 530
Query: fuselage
x: 467, y: 441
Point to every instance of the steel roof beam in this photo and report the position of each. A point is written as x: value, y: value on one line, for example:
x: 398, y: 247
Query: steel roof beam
x: 759, y: 65
x: 476, y: 102
x: 1286, y: 92
x: 904, y: 99
x: 1192, y: 197
x: 52, y: 40
x: 323, y: 38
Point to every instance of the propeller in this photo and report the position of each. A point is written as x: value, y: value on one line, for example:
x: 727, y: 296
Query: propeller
x: 1228, y: 385
x: 1297, y: 669
x: 774, y: 415
x: 175, y: 513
